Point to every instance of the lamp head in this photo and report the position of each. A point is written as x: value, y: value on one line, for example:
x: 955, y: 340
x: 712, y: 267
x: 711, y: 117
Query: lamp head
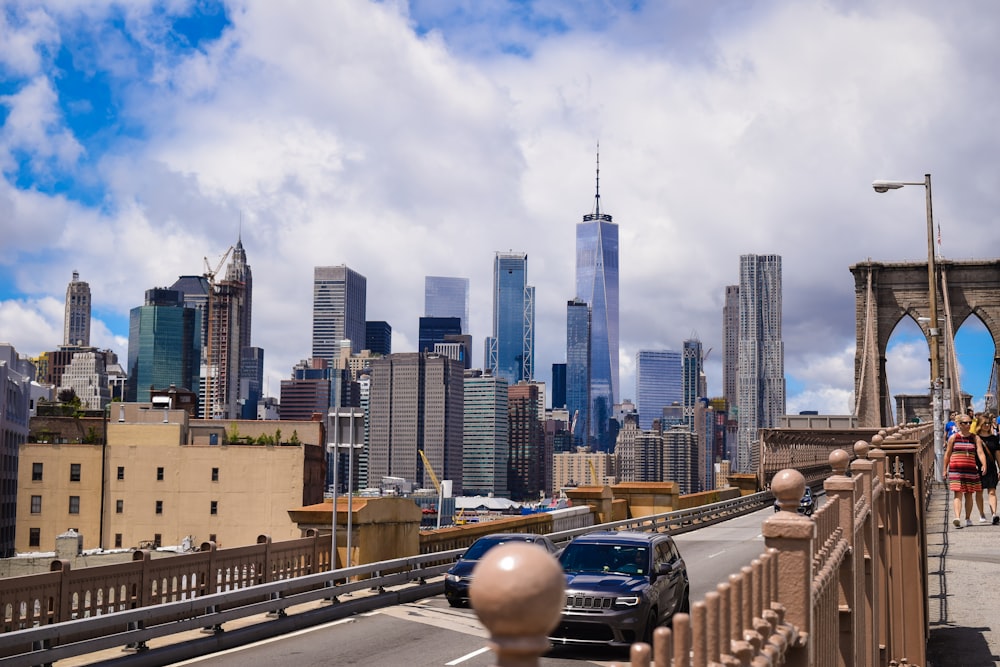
x: 885, y: 186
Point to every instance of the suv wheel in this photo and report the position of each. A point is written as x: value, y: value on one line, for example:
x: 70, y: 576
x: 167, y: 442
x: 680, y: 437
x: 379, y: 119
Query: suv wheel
x: 647, y: 633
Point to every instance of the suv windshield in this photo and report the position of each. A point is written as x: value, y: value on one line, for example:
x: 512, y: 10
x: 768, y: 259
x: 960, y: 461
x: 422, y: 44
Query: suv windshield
x: 484, y: 544
x: 610, y: 558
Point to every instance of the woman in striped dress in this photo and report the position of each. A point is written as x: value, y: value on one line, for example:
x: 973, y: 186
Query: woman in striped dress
x: 962, y: 459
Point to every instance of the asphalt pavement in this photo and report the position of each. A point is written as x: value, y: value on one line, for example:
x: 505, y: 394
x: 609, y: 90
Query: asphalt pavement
x: 963, y: 571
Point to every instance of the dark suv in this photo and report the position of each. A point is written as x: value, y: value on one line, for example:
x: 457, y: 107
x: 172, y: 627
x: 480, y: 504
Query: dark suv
x: 619, y: 587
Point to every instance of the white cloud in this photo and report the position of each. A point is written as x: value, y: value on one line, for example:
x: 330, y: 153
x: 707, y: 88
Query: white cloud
x: 338, y: 135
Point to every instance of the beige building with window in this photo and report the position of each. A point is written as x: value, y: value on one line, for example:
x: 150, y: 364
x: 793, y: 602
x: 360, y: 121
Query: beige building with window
x: 162, y: 478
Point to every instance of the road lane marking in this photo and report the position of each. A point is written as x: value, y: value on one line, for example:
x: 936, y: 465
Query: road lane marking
x: 468, y: 656
x: 269, y: 640
x: 717, y: 553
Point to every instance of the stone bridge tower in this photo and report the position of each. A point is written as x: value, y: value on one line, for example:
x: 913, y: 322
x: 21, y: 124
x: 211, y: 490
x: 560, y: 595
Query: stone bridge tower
x: 885, y: 293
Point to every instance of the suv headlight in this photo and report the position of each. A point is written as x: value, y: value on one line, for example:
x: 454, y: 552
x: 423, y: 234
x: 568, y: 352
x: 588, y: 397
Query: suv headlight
x: 630, y: 601
x: 454, y: 578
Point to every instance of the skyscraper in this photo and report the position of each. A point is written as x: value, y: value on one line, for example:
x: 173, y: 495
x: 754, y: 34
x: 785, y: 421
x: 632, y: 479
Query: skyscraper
x: 229, y: 313
x: 76, y: 323
x: 692, y: 379
x: 558, y: 386
x: 415, y: 403
x: 530, y: 463
x: 378, y: 337
x: 447, y: 297
x: 578, y: 370
x: 434, y: 330
x: 658, y: 383
x: 730, y: 342
x: 339, y: 295
x: 163, y: 345
x: 761, y: 365
x: 597, y: 284
x: 510, y: 351
x: 486, y: 436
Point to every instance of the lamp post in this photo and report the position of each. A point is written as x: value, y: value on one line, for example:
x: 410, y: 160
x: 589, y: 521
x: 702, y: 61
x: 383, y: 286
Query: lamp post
x: 345, y: 430
x: 933, y: 330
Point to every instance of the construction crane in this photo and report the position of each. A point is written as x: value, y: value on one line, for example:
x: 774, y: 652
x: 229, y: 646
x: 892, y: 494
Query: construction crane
x: 430, y: 471
x: 593, y: 471
x: 437, y: 484
x: 211, y: 368
x: 704, y: 357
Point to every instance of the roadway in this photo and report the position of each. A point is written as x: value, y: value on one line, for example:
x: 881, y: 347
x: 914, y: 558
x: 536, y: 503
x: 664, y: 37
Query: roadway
x: 430, y: 632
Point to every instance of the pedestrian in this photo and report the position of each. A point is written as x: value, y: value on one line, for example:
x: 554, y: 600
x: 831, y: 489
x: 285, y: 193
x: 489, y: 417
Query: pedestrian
x: 951, y: 428
x: 989, y: 478
x: 960, y: 456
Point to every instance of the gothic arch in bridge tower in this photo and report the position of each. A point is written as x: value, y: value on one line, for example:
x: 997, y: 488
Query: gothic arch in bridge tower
x: 885, y: 293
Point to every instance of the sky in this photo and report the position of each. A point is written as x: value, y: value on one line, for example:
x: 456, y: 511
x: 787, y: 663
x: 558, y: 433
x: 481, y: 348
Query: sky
x: 139, y: 140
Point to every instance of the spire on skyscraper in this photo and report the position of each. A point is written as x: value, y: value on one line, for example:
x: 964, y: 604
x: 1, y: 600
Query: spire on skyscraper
x: 597, y: 195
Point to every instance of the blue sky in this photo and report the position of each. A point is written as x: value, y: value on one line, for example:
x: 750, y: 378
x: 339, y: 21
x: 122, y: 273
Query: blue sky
x: 138, y: 139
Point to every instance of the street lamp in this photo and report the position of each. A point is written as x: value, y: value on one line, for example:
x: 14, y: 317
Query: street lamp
x: 345, y: 429
x: 933, y: 330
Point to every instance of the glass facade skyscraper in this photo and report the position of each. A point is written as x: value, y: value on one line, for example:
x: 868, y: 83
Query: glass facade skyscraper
x: 578, y: 370
x: 692, y: 379
x: 658, y: 383
x: 433, y: 330
x: 597, y: 284
x: 510, y: 351
x: 164, y: 347
x: 761, y: 365
x: 447, y: 297
x: 338, y: 310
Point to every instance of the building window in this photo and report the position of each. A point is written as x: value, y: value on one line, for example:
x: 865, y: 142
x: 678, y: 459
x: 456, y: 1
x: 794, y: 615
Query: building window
x: 36, y: 472
x: 74, y: 504
x: 121, y: 472
x: 118, y: 540
x: 36, y: 504
x: 215, y: 507
x: 159, y: 474
x: 119, y: 506
x: 159, y: 507
x: 74, y: 472
x: 211, y: 537
x: 34, y: 537
x: 215, y: 474
x: 157, y: 539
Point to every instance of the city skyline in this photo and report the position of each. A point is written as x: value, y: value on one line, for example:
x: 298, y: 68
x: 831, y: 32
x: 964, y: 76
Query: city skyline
x: 131, y: 164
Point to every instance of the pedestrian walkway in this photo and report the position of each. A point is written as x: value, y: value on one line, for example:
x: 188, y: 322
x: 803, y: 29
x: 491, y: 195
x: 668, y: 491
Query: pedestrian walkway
x: 963, y: 570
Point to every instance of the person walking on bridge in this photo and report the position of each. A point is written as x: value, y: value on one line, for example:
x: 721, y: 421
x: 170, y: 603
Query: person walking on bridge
x: 991, y: 444
x: 961, y: 455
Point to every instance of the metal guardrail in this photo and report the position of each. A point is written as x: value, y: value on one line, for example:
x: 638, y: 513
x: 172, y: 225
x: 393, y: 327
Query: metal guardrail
x: 47, y: 643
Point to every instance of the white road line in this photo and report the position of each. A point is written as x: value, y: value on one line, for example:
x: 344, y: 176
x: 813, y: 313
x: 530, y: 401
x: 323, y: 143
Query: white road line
x: 468, y: 656
x: 717, y: 553
x: 278, y: 638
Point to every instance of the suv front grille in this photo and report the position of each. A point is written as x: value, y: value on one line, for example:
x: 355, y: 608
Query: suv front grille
x: 582, y: 602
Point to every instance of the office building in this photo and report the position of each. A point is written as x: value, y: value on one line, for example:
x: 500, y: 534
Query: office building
x: 658, y: 383
x: 163, y: 345
x: 486, y: 436
x: 680, y: 457
x: 16, y: 376
x: 433, y: 330
x: 597, y: 285
x: 229, y: 309
x: 416, y: 403
x: 692, y: 379
x: 447, y: 297
x: 76, y: 322
x: 510, y: 351
x: 530, y: 462
x: 251, y: 381
x: 339, y: 295
x: 578, y: 370
x: 730, y: 342
x: 558, y: 386
x: 87, y: 376
x: 761, y: 363
x: 639, y: 453
x: 309, y: 392
x: 378, y: 337
x: 578, y: 468
x: 161, y: 477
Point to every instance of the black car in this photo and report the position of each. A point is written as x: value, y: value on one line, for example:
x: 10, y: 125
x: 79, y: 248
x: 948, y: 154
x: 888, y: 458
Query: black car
x: 807, y: 505
x: 458, y: 578
x: 620, y: 585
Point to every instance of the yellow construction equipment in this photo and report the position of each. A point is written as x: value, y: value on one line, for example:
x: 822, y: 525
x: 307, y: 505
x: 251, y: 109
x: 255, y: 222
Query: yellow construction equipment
x: 430, y: 471
x: 593, y: 472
